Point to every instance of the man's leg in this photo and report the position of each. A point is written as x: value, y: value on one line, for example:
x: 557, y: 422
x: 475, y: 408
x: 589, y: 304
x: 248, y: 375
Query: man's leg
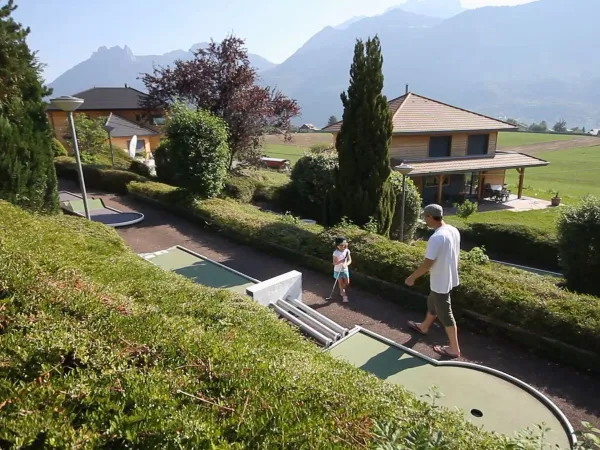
x: 430, y: 316
x: 444, y: 306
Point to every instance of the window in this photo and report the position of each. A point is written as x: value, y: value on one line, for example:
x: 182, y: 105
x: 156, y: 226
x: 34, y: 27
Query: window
x: 478, y: 144
x: 140, y: 146
x: 433, y: 181
x: 158, y: 120
x: 440, y: 146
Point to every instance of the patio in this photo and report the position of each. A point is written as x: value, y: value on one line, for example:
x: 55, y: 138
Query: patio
x: 514, y: 204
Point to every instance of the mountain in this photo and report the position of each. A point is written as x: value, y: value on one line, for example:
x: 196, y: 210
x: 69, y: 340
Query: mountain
x: 116, y: 66
x: 532, y: 61
x: 442, y: 9
x: 347, y: 23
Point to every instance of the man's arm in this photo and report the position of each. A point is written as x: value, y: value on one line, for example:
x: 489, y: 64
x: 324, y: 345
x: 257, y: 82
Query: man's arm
x: 422, y: 270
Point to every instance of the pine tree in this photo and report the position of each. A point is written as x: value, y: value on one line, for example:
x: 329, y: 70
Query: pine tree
x: 364, y: 183
x: 27, y: 175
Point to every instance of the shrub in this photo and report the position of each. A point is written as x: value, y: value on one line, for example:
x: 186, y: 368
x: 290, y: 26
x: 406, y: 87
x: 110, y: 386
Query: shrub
x: 466, y: 209
x: 526, y: 300
x: 412, y: 209
x: 240, y: 187
x: 105, y: 179
x: 516, y: 243
x: 579, y: 245
x: 140, y: 168
x: 312, y: 188
x: 58, y: 149
x: 197, y: 152
x: 102, y: 349
x: 319, y: 148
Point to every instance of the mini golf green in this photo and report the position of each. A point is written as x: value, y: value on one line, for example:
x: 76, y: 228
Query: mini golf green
x: 200, y: 269
x: 488, y: 398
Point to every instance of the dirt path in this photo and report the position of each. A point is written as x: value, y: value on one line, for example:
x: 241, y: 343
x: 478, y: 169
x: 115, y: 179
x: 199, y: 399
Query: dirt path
x: 575, y: 393
x: 532, y: 149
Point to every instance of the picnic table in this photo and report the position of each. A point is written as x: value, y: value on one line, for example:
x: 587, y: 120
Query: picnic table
x: 497, y: 192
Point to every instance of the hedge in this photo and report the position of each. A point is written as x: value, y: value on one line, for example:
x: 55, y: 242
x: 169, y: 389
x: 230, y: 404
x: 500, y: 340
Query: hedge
x: 519, y: 298
x: 515, y: 243
x: 101, y: 349
x: 97, y: 177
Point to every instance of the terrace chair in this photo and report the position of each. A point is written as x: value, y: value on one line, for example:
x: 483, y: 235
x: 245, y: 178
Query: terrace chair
x: 99, y: 212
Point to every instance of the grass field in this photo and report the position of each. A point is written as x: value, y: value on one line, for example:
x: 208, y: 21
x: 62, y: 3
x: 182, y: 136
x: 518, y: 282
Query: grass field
x: 572, y: 173
x: 516, y: 139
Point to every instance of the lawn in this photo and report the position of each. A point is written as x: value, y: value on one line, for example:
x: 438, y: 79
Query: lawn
x: 283, y: 151
x: 572, y: 173
x: 543, y: 219
x: 276, y: 147
x: 516, y: 139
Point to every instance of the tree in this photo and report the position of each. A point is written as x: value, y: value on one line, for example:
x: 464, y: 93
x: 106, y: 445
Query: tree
x: 539, y: 128
x: 196, y: 152
x: 578, y: 243
x: 27, y: 175
x: 221, y: 80
x: 560, y: 126
x: 512, y: 121
x: 412, y: 208
x: 332, y: 120
x: 91, y: 135
x: 363, y: 178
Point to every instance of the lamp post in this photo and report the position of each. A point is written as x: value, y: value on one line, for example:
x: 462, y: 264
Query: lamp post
x: 108, y: 129
x: 70, y: 104
x: 404, y: 169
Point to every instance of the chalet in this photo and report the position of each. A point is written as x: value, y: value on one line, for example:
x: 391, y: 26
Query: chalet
x: 307, y: 128
x: 452, y: 151
x: 122, y: 108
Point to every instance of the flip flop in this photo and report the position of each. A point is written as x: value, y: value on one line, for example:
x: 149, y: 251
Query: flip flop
x: 442, y: 351
x: 415, y: 327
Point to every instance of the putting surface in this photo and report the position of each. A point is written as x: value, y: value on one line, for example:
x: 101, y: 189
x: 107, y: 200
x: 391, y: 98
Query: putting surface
x: 200, y: 270
x: 486, y: 399
x: 98, y: 211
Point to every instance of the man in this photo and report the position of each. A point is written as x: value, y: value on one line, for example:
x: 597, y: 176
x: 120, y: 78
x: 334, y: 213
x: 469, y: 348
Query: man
x: 441, y: 261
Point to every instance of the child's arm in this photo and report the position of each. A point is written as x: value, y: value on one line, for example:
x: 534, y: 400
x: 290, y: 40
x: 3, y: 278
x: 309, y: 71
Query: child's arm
x: 349, y: 259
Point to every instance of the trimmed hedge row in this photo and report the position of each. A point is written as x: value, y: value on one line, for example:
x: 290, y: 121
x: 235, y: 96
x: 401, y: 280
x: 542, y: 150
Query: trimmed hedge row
x: 97, y: 177
x: 525, y: 300
x: 515, y: 243
x: 101, y: 349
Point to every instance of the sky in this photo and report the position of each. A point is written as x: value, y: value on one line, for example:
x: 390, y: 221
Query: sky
x: 66, y: 32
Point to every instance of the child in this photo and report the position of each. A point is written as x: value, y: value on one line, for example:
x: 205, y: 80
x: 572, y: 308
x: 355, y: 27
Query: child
x: 341, y: 261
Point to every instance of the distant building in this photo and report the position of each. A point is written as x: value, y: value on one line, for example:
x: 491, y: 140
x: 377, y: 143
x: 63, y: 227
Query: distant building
x: 307, y: 127
x: 594, y: 131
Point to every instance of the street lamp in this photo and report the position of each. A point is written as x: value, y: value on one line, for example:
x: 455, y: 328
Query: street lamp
x: 404, y: 169
x: 69, y: 104
x: 108, y: 129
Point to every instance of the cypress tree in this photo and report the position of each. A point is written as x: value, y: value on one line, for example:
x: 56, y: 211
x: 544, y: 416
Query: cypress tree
x: 27, y: 174
x: 364, y: 184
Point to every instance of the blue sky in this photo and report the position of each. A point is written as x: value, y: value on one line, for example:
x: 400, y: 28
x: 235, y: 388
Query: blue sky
x: 66, y: 32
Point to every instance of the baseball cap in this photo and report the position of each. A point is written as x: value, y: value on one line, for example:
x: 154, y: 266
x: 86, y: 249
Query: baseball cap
x: 433, y: 211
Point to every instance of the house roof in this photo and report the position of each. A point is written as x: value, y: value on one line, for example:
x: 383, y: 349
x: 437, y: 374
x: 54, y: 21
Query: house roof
x: 501, y: 160
x: 108, y: 98
x: 415, y: 114
x: 126, y: 128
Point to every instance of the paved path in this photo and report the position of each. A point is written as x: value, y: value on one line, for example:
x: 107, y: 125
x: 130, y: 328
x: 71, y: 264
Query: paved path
x: 575, y: 393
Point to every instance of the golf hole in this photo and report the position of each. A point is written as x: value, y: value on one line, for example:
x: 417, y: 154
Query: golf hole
x: 476, y: 413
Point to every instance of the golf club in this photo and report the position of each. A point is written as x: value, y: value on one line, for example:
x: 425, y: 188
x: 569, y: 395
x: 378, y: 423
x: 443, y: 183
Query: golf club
x: 334, y: 284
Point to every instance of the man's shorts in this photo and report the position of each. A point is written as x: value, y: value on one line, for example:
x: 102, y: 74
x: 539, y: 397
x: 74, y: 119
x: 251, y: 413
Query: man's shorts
x: 342, y: 275
x: 439, y: 305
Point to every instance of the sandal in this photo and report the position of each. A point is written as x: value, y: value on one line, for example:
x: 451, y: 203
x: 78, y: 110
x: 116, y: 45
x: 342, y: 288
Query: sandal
x: 415, y: 327
x: 345, y: 298
x: 442, y: 351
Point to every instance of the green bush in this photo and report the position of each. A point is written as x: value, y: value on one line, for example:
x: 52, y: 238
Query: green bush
x: 466, y: 209
x: 412, y: 209
x: 140, y: 168
x: 516, y: 243
x: 101, y: 349
x: 164, y: 168
x: 579, y: 245
x: 312, y: 190
x: 526, y: 300
x: 319, y: 148
x: 198, y: 150
x: 97, y: 177
x: 240, y: 187
x: 91, y: 135
x: 58, y: 149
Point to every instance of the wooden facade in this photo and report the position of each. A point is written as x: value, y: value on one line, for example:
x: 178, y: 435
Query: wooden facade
x: 417, y: 146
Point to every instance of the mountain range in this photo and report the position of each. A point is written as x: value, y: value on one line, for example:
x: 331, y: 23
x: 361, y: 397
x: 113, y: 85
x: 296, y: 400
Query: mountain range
x: 531, y: 62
